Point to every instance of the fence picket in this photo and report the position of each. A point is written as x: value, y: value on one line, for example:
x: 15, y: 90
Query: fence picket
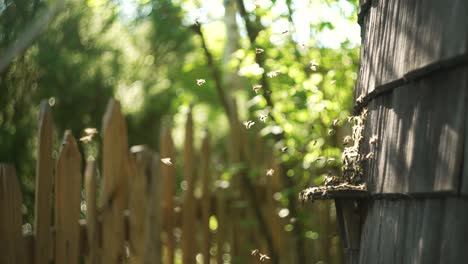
x: 205, y: 173
x: 168, y: 179
x: 139, y: 207
x: 91, y: 213
x: 67, y: 202
x: 11, y: 220
x: 188, y: 209
x: 44, y: 178
x: 115, y: 183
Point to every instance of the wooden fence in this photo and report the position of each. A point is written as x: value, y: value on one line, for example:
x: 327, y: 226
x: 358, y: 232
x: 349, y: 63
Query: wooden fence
x: 126, y: 210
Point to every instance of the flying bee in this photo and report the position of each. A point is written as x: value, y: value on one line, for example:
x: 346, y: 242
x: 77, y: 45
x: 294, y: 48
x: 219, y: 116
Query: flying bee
x: 200, y: 82
x: 283, y: 149
x: 87, y: 138
x: 270, y: 172
x: 347, y: 140
x: 369, y: 156
x: 166, y: 161
x: 259, y: 50
x: 335, y: 122
x: 285, y: 32
x: 263, y: 118
x: 264, y: 257
x: 249, y: 124
x: 273, y: 73
x: 313, y: 65
x: 256, y: 87
x: 254, y: 252
x: 331, y: 131
x: 90, y: 131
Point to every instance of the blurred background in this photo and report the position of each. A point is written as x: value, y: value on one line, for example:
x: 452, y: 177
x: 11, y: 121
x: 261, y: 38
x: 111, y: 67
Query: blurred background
x: 149, y: 55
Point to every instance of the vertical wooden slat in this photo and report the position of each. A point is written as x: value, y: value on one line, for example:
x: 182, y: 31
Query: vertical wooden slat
x: 168, y: 179
x: 221, y: 215
x: 115, y: 183
x: 44, y: 178
x: 235, y: 159
x: 67, y: 202
x: 11, y: 219
x: 154, y: 215
x: 205, y: 174
x: 188, y: 209
x: 139, y: 203
x: 91, y: 213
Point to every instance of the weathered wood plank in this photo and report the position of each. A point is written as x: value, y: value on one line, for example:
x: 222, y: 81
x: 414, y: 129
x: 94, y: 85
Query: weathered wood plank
x: 415, y: 231
x: 92, y: 228
x: 419, y: 129
x: 168, y: 193
x: 67, y: 202
x: 11, y: 219
x: 205, y: 173
x: 154, y: 250
x: 140, y: 204
x: 188, y: 209
x: 115, y: 183
x: 44, y: 180
x: 402, y: 36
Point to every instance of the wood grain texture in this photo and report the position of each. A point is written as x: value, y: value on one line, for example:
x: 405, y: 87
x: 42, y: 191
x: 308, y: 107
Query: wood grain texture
x: 402, y: 36
x: 92, y: 227
x: 416, y: 231
x: 168, y: 181
x: 420, y: 136
x: 188, y: 209
x: 67, y: 202
x: 205, y: 174
x: 11, y: 219
x: 140, y: 204
x: 154, y: 249
x: 115, y: 183
x: 44, y: 183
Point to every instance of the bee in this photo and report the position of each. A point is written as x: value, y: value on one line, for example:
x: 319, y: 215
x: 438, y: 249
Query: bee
x: 86, y: 139
x: 331, y: 131
x: 347, y: 140
x: 332, y: 82
x: 249, y: 124
x: 369, y: 156
x: 360, y: 99
x: 335, y: 122
x: 285, y: 32
x: 263, y: 118
x: 373, y: 140
x: 313, y: 65
x: 254, y: 252
x: 90, y: 131
x: 270, y: 172
x: 200, y: 82
x: 273, y: 73
x: 167, y: 161
x: 259, y: 50
x: 283, y: 149
x: 256, y: 87
x: 264, y: 257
